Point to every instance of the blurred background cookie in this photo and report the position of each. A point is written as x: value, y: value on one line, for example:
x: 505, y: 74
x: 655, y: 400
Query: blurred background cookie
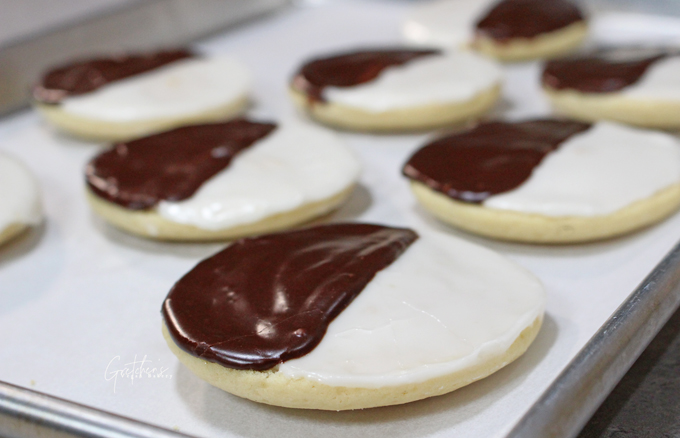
x: 509, y: 30
x: 396, y: 89
x: 549, y: 181
x: 129, y: 96
x: 639, y: 86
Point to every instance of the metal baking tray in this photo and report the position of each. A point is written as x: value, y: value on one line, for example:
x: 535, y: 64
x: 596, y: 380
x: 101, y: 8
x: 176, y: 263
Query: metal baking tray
x: 77, y: 294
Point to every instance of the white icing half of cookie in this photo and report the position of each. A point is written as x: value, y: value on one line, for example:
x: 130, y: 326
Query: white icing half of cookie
x: 182, y: 88
x: 445, y: 23
x: 438, y: 79
x: 294, y: 165
x: 442, y: 306
x: 597, y: 172
x: 661, y: 81
x: 19, y: 195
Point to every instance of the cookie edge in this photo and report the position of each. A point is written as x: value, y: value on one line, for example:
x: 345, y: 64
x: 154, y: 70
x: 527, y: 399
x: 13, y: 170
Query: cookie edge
x: 150, y: 224
x: 102, y: 130
x: 12, y: 231
x: 535, y: 228
x: 273, y: 388
x: 398, y: 120
x: 592, y: 107
x: 544, y: 46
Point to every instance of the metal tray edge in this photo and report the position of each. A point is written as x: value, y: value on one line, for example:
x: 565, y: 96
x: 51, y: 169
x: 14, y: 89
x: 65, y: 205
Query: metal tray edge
x: 572, y: 398
x: 27, y: 413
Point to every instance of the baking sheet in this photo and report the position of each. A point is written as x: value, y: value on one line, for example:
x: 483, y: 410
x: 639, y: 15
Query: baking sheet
x: 80, y: 301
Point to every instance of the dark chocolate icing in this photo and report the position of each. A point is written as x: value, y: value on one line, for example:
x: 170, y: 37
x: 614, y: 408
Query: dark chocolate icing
x: 171, y: 165
x: 492, y: 158
x: 265, y: 300
x: 86, y: 76
x: 527, y: 18
x: 349, y: 69
x: 596, y: 73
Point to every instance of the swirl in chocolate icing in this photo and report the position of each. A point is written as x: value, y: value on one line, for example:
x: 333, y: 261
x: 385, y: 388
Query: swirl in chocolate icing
x: 510, y: 19
x: 269, y: 299
x: 492, y: 158
x: 598, y: 73
x: 349, y: 69
x: 86, y: 76
x: 171, y: 165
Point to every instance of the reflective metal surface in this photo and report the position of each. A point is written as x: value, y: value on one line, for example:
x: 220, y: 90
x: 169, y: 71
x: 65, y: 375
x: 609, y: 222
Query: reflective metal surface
x: 575, y: 395
x: 645, y: 403
x: 28, y: 414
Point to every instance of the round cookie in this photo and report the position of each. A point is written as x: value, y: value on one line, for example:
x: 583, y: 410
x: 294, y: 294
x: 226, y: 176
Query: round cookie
x: 509, y: 30
x: 20, y: 205
x: 130, y: 96
x: 549, y: 181
x: 635, y: 86
x: 390, y: 317
x: 221, y: 181
x: 396, y: 89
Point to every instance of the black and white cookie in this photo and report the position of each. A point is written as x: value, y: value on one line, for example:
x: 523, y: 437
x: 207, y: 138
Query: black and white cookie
x: 549, y: 181
x: 129, y: 96
x: 510, y: 30
x: 351, y: 316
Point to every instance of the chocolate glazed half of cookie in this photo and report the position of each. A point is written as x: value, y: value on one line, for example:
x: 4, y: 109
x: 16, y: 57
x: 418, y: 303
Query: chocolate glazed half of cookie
x: 349, y: 69
x: 492, y: 158
x: 88, y: 75
x: 510, y: 19
x: 266, y: 300
x: 597, y: 73
x: 632, y: 85
x: 171, y: 165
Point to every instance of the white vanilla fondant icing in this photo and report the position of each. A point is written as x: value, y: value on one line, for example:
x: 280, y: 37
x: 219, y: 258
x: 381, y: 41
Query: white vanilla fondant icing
x: 597, y: 172
x: 443, y: 306
x: 294, y: 165
x: 182, y: 88
x: 19, y: 195
x: 451, y: 77
x: 445, y: 23
x: 661, y: 81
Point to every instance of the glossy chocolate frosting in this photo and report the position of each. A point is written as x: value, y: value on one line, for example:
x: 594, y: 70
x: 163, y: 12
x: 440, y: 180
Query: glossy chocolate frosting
x: 597, y: 73
x: 269, y: 299
x: 527, y: 18
x: 171, y: 165
x: 492, y: 158
x: 86, y: 76
x: 349, y: 69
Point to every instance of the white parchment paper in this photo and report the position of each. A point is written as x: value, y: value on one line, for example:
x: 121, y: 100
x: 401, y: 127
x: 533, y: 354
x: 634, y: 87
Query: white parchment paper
x: 80, y: 301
